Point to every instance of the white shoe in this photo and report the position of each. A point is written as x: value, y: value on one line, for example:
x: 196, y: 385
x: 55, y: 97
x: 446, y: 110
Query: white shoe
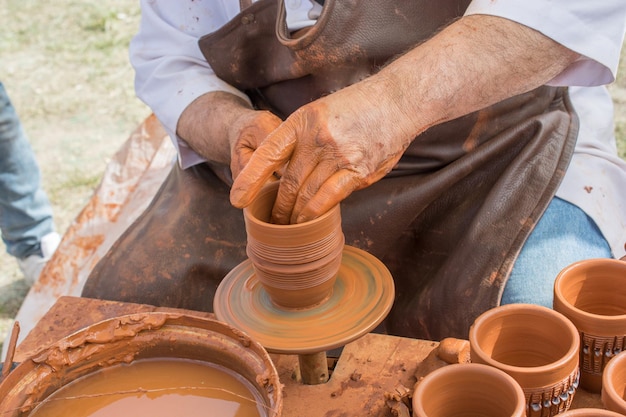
x: 31, y: 266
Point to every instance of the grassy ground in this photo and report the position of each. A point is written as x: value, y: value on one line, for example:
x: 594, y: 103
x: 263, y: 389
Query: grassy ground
x: 618, y: 91
x: 65, y: 66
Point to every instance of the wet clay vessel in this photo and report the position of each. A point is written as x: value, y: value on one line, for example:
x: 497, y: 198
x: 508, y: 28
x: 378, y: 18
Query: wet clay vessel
x: 468, y: 390
x: 614, y: 384
x: 302, y: 290
x: 297, y: 264
x: 535, y: 345
x: 592, y: 294
x: 126, y: 339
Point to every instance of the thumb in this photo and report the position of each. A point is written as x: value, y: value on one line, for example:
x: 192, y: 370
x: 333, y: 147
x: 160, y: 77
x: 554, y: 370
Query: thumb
x: 270, y: 156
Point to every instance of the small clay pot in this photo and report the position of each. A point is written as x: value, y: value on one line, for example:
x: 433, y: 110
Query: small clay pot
x: 124, y: 339
x: 590, y: 412
x: 296, y: 264
x: 592, y: 294
x: 535, y: 345
x: 468, y: 390
x: 614, y: 384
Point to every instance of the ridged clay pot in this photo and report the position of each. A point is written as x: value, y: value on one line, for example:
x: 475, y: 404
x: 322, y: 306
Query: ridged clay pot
x: 297, y: 264
x: 614, y: 384
x: 592, y: 294
x: 590, y: 412
x: 468, y: 390
x: 535, y: 345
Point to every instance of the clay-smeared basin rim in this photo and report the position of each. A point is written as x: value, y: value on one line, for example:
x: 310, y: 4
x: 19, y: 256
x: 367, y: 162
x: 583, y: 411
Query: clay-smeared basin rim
x: 129, y: 337
x: 362, y: 297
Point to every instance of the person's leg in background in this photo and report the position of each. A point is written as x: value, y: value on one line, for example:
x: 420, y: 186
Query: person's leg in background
x: 563, y: 235
x: 26, y: 220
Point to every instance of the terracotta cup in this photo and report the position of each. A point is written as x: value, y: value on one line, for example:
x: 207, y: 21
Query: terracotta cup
x: 468, y: 390
x: 535, y: 345
x: 592, y: 294
x: 297, y: 264
x: 590, y: 412
x: 614, y: 384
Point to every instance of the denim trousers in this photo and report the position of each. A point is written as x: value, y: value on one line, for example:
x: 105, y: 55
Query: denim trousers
x: 563, y: 235
x: 25, y: 212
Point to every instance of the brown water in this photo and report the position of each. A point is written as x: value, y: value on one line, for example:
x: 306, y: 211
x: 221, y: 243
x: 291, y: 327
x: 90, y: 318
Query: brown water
x: 155, y: 388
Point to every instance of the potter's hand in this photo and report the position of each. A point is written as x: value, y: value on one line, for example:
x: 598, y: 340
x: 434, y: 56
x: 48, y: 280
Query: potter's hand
x: 350, y: 139
x: 224, y: 128
x: 333, y: 146
x: 246, y: 134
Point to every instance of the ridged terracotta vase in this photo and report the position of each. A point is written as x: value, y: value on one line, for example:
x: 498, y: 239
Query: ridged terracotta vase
x: 297, y: 264
x: 592, y: 294
x: 614, y: 384
x: 468, y: 390
x: 535, y: 345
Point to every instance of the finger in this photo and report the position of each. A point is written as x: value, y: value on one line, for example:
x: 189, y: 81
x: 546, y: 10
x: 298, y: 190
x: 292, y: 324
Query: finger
x: 325, y: 169
x: 332, y: 192
x: 303, y: 162
x: 335, y: 189
x: 269, y: 157
x: 241, y: 158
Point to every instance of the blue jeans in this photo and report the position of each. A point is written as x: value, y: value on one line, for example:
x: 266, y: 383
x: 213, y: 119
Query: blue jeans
x: 563, y: 235
x: 25, y: 212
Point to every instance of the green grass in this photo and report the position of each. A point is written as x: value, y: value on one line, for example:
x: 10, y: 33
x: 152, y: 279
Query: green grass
x: 58, y: 55
x: 65, y: 66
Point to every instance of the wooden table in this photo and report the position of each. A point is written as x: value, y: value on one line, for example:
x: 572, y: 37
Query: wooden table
x: 369, y: 375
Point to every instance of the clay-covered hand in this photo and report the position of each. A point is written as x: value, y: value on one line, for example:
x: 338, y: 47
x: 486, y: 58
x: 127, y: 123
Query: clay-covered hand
x: 333, y: 146
x: 224, y: 128
x: 246, y: 135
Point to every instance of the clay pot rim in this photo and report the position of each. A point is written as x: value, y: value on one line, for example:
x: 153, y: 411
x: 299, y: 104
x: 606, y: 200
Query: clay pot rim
x: 585, y: 412
x: 609, y: 394
x: 291, y: 226
x: 269, y: 188
x: 572, y: 354
x: 586, y: 264
x: 486, y: 370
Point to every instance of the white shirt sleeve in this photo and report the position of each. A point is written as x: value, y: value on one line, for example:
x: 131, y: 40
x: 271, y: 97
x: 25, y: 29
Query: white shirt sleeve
x: 594, y: 29
x: 170, y: 70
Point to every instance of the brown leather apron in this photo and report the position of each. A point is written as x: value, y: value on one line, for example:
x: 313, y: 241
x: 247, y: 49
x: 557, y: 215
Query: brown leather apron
x: 448, y: 222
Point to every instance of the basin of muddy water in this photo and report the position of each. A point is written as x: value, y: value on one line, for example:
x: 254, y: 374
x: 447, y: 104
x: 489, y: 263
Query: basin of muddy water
x: 147, y: 364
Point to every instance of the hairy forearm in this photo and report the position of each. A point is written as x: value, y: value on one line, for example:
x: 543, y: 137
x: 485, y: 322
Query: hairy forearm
x: 206, y: 124
x: 475, y: 62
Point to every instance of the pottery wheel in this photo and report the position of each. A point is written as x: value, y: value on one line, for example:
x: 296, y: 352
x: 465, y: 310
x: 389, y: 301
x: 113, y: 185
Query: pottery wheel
x: 362, y: 297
